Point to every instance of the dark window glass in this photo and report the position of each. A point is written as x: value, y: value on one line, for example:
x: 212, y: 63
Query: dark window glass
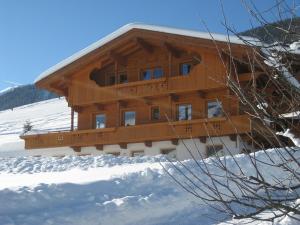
x: 129, y: 118
x: 146, y: 75
x: 123, y: 78
x: 185, y: 68
x: 158, y: 73
x: 155, y: 114
x: 100, y: 121
x: 112, y: 80
x: 214, y: 150
x: 184, y: 112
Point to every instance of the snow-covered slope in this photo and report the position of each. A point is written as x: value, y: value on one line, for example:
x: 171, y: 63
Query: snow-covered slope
x: 45, y: 116
x: 107, y: 190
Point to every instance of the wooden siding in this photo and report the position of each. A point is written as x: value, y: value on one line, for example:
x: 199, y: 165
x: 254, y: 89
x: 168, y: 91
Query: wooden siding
x: 141, y: 133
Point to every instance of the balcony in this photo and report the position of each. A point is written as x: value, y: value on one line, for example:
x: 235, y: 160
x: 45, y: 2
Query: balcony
x: 85, y: 94
x: 141, y: 133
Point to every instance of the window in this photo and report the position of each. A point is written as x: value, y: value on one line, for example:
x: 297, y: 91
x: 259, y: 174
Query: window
x: 129, y: 118
x: 146, y: 74
x: 155, y: 114
x: 158, y: 73
x: 114, y: 153
x: 184, y: 112
x: 214, y: 150
x: 185, y: 68
x: 170, y: 152
x: 123, y: 78
x: 154, y: 73
x: 214, y: 109
x: 137, y: 153
x: 100, y: 121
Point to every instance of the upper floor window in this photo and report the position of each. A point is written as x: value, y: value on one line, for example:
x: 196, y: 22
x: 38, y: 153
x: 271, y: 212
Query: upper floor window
x: 214, y: 109
x: 100, y: 121
x: 155, y: 114
x: 154, y: 73
x: 158, y: 73
x: 184, y: 112
x: 129, y: 118
x: 146, y: 74
x: 185, y: 68
x: 111, y: 79
x: 123, y: 78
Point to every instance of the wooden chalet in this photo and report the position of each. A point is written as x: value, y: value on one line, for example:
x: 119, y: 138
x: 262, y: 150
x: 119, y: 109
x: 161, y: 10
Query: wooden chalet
x: 148, y: 90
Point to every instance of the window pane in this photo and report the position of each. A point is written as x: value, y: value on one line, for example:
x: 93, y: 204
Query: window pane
x: 123, y: 78
x: 146, y: 75
x: 214, y: 109
x: 155, y: 115
x: 185, y: 112
x: 100, y: 121
x: 158, y: 73
x: 129, y: 118
x: 185, y: 68
x: 112, y: 80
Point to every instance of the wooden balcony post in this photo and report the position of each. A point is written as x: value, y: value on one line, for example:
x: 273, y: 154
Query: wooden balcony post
x: 72, y: 119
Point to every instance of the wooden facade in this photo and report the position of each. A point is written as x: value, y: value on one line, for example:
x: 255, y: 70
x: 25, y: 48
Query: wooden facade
x: 145, y: 72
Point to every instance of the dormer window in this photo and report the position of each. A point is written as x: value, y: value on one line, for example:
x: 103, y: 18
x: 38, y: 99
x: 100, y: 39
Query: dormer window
x: 185, y: 68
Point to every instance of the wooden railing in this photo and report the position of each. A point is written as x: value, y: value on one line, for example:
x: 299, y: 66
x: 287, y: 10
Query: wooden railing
x: 82, y: 94
x: 141, y: 133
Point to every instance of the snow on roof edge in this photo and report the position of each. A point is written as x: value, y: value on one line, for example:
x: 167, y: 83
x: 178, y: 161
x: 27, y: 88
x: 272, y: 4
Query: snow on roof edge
x: 124, y: 29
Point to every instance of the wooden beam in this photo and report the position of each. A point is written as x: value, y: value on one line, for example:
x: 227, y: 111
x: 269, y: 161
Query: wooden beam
x: 175, y: 141
x: 117, y: 58
x: 201, y: 94
x: 148, y: 143
x: 174, y: 97
x: 123, y: 145
x: 99, y: 106
x: 78, y: 109
x: 99, y: 147
x: 173, y: 50
x: 202, y: 139
x: 144, y: 45
x: 72, y: 119
x: 76, y: 148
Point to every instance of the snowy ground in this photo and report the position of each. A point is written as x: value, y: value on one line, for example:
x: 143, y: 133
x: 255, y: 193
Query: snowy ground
x: 50, y: 115
x: 103, y: 190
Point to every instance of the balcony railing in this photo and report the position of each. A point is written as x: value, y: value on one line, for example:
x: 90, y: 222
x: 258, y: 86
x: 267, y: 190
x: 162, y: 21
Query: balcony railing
x: 141, y: 133
x: 84, y: 94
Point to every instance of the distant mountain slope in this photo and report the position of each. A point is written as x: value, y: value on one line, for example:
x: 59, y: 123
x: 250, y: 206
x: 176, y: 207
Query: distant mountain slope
x: 23, y: 95
x: 270, y: 33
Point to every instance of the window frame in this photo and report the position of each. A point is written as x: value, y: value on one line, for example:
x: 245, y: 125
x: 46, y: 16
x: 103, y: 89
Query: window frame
x: 218, y: 101
x: 123, y: 117
x: 95, y: 120
x: 180, y: 67
x: 151, y: 113
x: 177, y: 110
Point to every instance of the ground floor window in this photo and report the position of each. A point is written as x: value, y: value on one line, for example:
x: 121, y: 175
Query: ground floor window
x: 170, y: 152
x: 100, y: 121
x: 137, y: 153
x: 214, y: 150
x: 214, y: 109
x: 184, y: 112
x: 155, y: 113
x: 129, y: 118
x: 114, y: 153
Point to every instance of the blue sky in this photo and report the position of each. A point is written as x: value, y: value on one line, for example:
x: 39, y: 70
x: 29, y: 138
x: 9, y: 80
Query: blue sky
x: 36, y: 34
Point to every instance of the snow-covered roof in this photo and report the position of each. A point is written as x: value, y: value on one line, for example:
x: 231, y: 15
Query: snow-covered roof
x: 131, y: 26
